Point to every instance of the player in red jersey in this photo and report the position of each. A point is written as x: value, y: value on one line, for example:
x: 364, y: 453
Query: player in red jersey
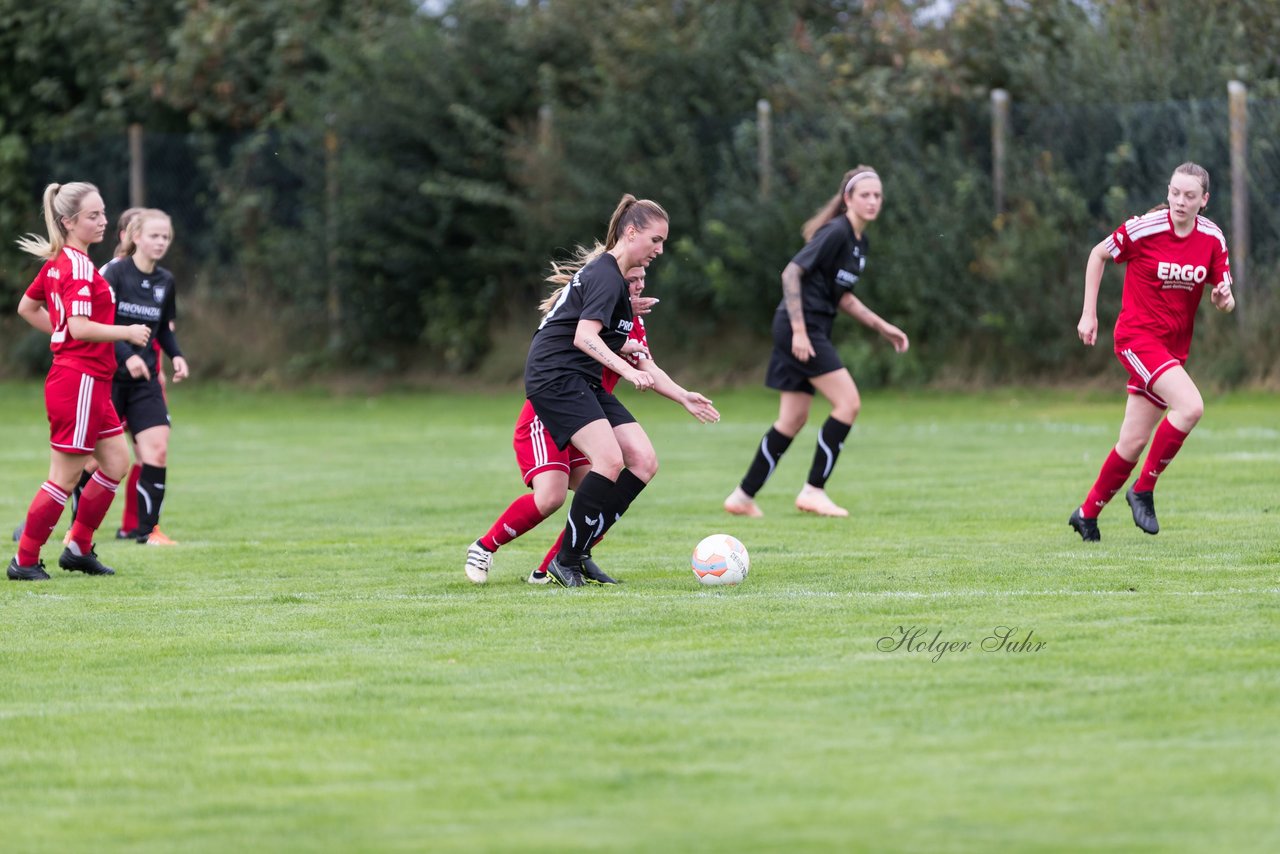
x: 80, y: 317
x: 1171, y: 255
x: 551, y: 472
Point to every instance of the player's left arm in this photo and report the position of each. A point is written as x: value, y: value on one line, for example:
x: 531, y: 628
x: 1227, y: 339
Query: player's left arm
x: 858, y: 310
x: 698, y: 406
x: 1221, y: 296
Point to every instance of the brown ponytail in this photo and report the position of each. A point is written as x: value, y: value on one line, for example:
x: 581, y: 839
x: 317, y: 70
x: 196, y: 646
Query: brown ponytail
x: 632, y: 211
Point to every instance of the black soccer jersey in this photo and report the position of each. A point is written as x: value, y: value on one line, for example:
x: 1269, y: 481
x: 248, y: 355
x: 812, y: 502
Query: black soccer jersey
x: 833, y: 261
x: 597, y: 292
x: 146, y: 298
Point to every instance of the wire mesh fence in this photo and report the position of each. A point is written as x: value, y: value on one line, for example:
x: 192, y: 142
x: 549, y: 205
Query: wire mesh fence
x: 230, y: 196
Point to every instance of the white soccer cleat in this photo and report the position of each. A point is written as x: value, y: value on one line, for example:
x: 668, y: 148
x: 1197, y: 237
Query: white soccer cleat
x: 740, y: 504
x: 479, y: 559
x: 816, y: 501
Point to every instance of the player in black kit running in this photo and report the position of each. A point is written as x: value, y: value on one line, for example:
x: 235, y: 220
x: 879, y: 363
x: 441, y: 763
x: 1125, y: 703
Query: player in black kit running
x: 817, y: 284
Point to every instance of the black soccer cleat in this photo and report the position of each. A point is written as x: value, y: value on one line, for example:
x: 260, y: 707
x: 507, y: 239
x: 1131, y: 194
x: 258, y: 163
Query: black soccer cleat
x: 566, y: 575
x: 18, y: 572
x: 1143, y: 506
x: 122, y: 534
x: 88, y: 564
x: 1086, y: 528
x: 17, y: 532
x: 593, y: 574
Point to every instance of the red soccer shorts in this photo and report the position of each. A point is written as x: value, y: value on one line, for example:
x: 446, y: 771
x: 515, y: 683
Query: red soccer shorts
x: 536, y: 451
x: 1146, y: 359
x: 80, y: 410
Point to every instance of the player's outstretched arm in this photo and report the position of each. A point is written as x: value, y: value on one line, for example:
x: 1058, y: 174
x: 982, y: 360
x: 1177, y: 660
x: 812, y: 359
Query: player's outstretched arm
x: 694, y: 403
x: 858, y: 310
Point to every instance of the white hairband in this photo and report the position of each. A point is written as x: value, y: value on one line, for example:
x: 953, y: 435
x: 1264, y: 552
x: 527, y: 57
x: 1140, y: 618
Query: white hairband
x: 868, y: 173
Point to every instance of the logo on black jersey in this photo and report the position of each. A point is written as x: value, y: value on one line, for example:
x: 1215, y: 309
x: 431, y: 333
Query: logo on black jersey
x: 158, y: 293
x: 625, y: 326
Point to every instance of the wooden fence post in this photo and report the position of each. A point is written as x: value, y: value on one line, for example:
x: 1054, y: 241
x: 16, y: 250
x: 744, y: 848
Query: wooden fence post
x: 1238, y: 102
x: 999, y: 139
x: 137, y: 168
x: 764, y: 130
x: 333, y: 296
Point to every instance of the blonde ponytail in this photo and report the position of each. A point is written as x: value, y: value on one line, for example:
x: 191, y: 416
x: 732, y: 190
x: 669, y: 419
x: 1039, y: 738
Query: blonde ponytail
x: 562, y: 272
x: 60, y: 201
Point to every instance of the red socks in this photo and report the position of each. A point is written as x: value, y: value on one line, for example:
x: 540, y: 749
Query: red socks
x: 1164, y: 446
x: 95, y: 499
x: 129, y: 521
x: 1115, y: 471
x: 555, y: 549
x: 42, y: 516
x: 522, y: 516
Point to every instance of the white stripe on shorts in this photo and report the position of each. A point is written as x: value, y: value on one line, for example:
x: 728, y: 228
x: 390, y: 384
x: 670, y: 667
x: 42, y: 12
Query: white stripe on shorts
x: 537, y: 435
x: 84, y: 404
x: 1138, y: 368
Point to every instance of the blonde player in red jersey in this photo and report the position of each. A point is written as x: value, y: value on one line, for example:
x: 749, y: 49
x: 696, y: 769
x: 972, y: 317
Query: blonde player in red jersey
x: 80, y: 319
x: 551, y: 472
x: 1171, y: 255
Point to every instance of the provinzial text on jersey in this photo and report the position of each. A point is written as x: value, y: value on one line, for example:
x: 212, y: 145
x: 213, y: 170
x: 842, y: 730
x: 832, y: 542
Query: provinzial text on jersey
x: 132, y: 309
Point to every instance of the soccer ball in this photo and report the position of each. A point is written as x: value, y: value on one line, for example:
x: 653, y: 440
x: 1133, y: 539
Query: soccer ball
x: 721, y: 559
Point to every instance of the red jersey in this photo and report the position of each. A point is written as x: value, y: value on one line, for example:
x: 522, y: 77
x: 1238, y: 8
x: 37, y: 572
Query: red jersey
x: 69, y: 286
x: 608, y: 378
x: 1166, y: 277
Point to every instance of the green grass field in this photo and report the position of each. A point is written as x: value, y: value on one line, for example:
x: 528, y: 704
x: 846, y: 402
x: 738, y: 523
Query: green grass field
x: 310, y: 670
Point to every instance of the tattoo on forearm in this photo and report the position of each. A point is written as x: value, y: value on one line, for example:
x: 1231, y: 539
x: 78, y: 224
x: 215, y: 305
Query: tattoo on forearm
x: 605, y: 357
x: 791, y: 297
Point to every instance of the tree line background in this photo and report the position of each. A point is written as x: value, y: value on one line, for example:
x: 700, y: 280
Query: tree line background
x: 378, y: 185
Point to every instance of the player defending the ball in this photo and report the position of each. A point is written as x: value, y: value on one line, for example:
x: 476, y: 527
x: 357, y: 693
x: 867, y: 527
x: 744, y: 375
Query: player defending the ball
x: 817, y: 283
x: 1170, y: 256
x: 552, y: 472
x: 80, y: 321
x: 584, y: 331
